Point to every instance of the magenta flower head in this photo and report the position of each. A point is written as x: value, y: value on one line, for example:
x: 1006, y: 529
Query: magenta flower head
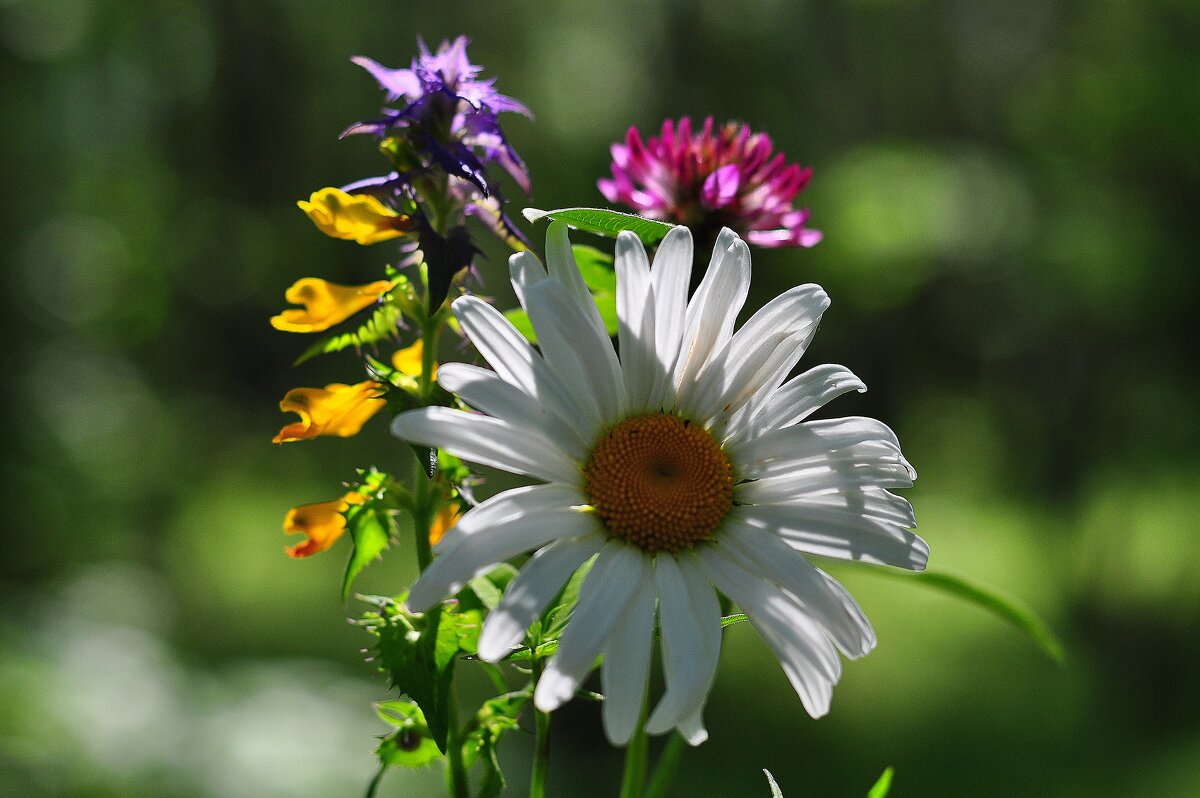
x: 727, y: 177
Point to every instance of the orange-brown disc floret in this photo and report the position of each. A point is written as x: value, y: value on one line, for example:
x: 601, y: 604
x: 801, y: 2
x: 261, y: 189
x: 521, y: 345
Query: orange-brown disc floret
x: 660, y: 482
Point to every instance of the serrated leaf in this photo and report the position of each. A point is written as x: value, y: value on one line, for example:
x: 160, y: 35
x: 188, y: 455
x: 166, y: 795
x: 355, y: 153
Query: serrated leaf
x: 418, y: 654
x: 1003, y: 607
x: 411, y: 745
x: 775, y: 791
x: 383, y: 323
x: 602, y: 221
x: 370, y: 530
x: 882, y: 787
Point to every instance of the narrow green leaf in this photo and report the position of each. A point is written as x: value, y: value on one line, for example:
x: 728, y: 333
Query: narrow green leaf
x: 560, y: 612
x: 775, y: 791
x: 381, y: 324
x: 602, y: 221
x: 730, y: 620
x: 883, y: 786
x: 1004, y: 607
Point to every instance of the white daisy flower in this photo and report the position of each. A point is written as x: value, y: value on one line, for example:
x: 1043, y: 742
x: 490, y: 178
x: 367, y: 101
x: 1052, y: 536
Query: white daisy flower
x: 686, y: 465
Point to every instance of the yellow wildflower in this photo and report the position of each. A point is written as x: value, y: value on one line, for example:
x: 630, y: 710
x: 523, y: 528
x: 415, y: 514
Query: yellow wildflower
x: 354, y: 217
x: 322, y: 523
x: 407, y: 361
x: 325, y: 303
x: 335, y: 409
x: 447, y: 517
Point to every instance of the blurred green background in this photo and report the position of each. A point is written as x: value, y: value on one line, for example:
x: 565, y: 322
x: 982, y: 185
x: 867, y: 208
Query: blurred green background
x: 1009, y: 196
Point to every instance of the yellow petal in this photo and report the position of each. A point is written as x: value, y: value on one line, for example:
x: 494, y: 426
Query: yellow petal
x: 321, y: 523
x: 407, y: 361
x: 354, y: 217
x: 335, y: 409
x: 447, y: 517
x: 325, y: 303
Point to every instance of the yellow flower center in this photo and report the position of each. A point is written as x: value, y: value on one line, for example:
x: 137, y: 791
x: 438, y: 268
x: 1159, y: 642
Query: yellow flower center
x: 660, y: 482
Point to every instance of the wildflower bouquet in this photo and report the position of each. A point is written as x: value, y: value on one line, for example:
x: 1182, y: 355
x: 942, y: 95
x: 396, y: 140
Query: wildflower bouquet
x: 668, y: 478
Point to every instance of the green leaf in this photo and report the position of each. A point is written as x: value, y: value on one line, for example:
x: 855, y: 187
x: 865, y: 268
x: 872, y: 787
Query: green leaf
x: 883, y: 786
x: 494, y: 718
x: 596, y: 267
x: 560, y: 612
x: 730, y: 620
x: 775, y: 791
x: 418, y: 653
x: 383, y: 323
x: 370, y: 525
x: 411, y: 745
x: 1006, y: 608
x: 602, y: 221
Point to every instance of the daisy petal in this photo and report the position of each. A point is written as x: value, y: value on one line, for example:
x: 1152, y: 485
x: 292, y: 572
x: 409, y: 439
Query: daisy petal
x: 606, y: 592
x: 517, y: 363
x: 487, y: 441
x: 829, y: 604
x: 581, y: 358
x: 534, y: 586
x: 508, y: 506
x: 451, y: 571
x: 805, y: 653
x: 635, y: 321
x: 712, y: 312
x: 808, y: 439
x: 626, y: 666
x: 669, y: 278
x: 874, y: 503
x: 561, y: 261
x: 798, y: 398
x: 832, y: 534
x: 487, y: 392
x: 689, y: 618
x: 833, y: 474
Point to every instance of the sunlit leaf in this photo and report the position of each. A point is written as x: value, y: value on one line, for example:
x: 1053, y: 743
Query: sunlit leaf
x: 382, y: 324
x: 730, y: 620
x: 882, y: 787
x: 372, y: 526
x: 418, y: 652
x: 1004, y: 607
x: 604, y: 222
x: 596, y: 267
x: 411, y: 745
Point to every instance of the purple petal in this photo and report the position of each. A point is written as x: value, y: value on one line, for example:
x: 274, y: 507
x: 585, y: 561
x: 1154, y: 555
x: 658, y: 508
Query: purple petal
x: 721, y: 187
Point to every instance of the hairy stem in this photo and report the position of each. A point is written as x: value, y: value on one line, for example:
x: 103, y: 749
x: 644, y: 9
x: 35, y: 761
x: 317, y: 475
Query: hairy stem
x: 456, y: 769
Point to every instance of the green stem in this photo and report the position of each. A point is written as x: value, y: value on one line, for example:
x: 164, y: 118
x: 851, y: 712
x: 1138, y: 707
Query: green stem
x: 541, y: 744
x: 424, y: 511
x: 456, y: 769
x: 668, y: 763
x: 634, y: 778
